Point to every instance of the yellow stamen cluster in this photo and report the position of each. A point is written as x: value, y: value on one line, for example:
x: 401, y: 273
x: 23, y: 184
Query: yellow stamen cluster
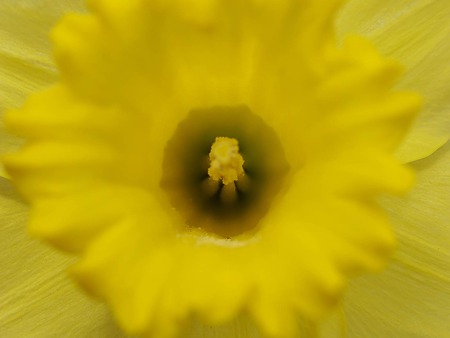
x: 226, y: 163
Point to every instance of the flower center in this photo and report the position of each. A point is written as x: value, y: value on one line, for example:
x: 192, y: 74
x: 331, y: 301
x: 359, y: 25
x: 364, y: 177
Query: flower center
x: 226, y: 171
x: 222, y: 168
x: 226, y: 163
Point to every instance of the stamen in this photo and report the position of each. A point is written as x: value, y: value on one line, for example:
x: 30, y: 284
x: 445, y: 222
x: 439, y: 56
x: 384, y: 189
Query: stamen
x: 226, y: 163
x: 228, y: 194
x: 210, y: 187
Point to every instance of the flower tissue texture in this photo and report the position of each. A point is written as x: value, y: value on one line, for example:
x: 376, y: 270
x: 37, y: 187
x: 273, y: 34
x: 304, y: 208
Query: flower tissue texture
x: 215, y: 159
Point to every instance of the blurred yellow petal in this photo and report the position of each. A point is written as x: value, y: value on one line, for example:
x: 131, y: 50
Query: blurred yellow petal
x: 239, y: 328
x: 36, y: 299
x: 412, y: 297
x: 26, y: 62
x: 417, y: 34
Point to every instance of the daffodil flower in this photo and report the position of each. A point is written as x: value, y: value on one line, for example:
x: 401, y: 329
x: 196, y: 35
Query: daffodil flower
x: 218, y: 166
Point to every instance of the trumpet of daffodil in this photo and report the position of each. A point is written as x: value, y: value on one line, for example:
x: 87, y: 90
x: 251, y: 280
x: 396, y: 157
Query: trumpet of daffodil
x: 224, y: 168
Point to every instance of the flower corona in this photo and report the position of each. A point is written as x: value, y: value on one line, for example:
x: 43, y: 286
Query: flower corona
x: 212, y: 158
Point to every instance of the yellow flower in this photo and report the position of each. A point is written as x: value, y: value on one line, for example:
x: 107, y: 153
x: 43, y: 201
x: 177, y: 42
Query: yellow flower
x: 192, y: 265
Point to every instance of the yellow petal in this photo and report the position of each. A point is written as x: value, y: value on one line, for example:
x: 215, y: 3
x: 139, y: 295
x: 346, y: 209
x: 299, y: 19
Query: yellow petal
x: 61, y: 225
x: 25, y: 47
x: 36, y: 298
x: 133, y: 295
x: 241, y: 327
x: 412, y: 297
x: 25, y: 54
x: 417, y: 34
x: 9, y: 143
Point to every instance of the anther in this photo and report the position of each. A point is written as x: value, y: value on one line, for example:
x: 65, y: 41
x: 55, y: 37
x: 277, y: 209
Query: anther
x: 226, y: 163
